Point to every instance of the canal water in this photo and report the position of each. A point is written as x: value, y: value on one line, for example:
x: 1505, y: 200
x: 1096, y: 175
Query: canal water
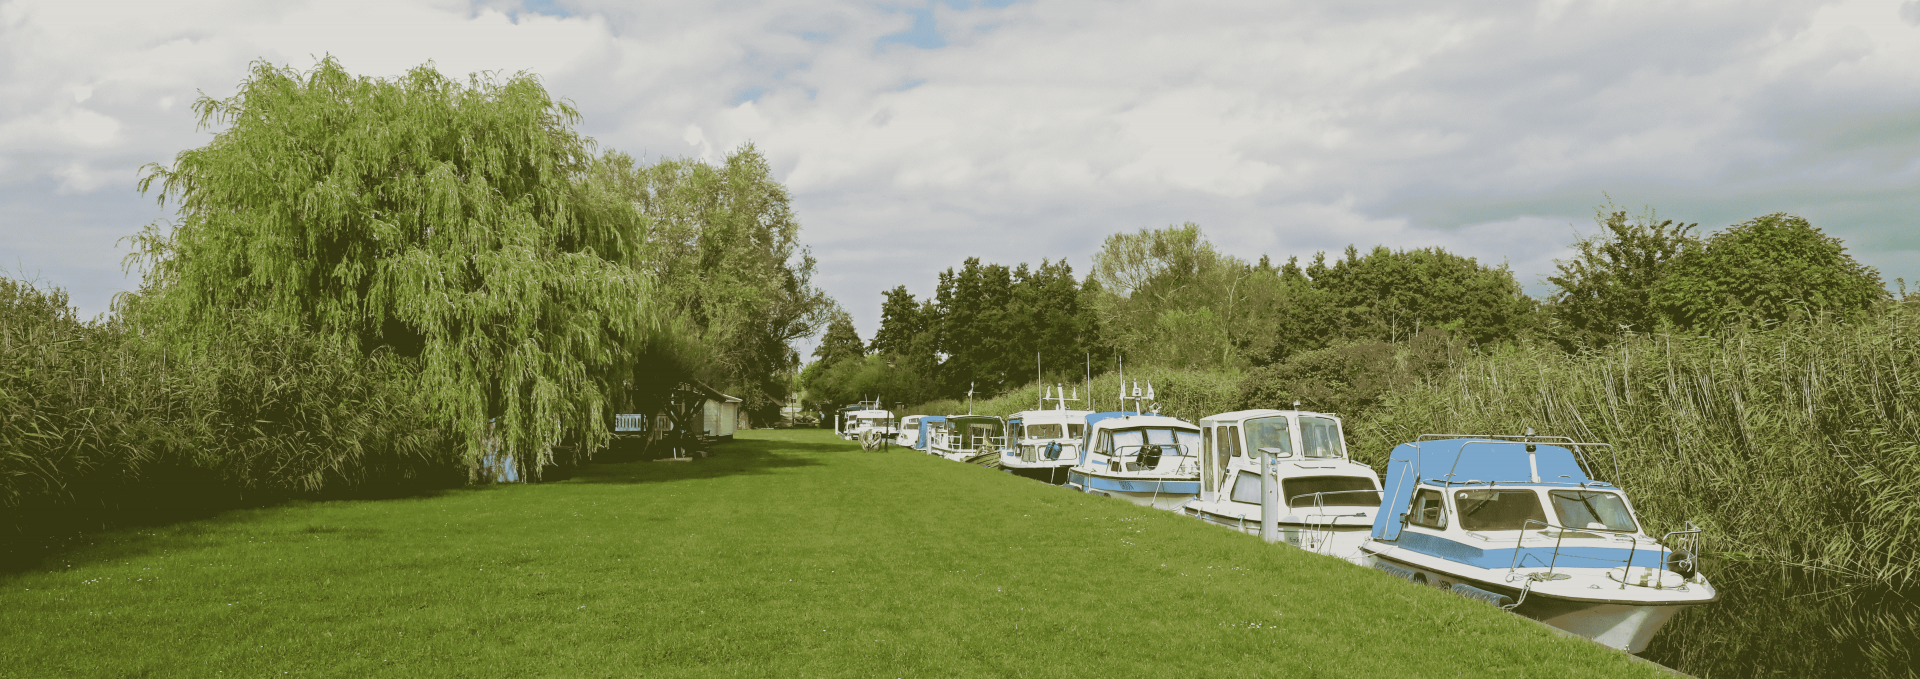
x: 1775, y: 621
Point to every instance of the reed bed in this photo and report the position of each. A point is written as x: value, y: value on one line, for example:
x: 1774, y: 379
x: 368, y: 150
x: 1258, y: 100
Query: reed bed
x: 1796, y: 449
x: 103, y: 420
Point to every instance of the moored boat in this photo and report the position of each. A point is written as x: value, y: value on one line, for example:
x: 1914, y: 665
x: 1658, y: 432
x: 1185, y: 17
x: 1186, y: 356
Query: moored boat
x: 1521, y: 522
x: 1046, y: 443
x: 1147, y: 459
x: 963, y: 437
x: 1327, y: 501
x: 854, y: 424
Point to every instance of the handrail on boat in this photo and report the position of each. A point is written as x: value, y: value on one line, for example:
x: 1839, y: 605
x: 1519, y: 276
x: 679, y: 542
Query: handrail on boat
x: 1691, y: 537
x: 1577, y: 447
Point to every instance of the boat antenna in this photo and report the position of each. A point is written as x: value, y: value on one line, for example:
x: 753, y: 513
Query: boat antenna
x: 1090, y: 383
x: 970, y: 398
x: 1039, y: 381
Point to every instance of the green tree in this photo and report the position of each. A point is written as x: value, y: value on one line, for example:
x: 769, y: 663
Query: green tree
x: 454, y: 224
x: 1768, y: 269
x: 724, y: 244
x: 1391, y: 295
x: 1606, y: 288
x: 842, y: 341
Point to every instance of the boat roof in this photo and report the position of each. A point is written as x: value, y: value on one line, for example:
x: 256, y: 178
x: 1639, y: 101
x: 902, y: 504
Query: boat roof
x: 871, y: 413
x: 930, y: 419
x: 1244, y: 415
x: 971, y: 418
x: 1119, y: 420
x: 1471, y: 462
x: 1051, y: 415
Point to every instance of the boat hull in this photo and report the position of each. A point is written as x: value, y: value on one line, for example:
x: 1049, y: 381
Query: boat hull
x: 1055, y: 475
x: 1625, y: 626
x: 1341, y: 542
x: 1168, y: 494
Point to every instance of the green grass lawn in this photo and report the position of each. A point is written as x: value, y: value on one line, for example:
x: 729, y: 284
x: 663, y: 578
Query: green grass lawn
x: 786, y: 554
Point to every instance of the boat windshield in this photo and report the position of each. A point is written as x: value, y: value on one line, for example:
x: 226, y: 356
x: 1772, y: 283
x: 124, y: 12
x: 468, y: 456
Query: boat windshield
x: 1171, y: 441
x: 1077, y: 431
x: 1269, y: 432
x: 1321, y: 437
x: 1043, y: 431
x: 1499, y: 509
x: 1337, y: 491
x: 1593, y: 510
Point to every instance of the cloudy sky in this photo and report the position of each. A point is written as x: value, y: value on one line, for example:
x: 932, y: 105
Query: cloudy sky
x: 916, y: 134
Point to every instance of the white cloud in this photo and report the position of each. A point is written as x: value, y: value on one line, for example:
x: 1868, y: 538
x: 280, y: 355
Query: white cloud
x: 1040, y: 127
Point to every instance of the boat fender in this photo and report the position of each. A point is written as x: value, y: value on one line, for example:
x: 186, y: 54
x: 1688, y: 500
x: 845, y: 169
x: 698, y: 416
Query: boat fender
x: 1395, y: 571
x: 1680, y: 561
x: 1472, y: 592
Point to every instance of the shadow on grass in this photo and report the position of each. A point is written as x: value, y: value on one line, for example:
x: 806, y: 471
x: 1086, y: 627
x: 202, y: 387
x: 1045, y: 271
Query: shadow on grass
x: 116, y: 516
x: 740, y: 456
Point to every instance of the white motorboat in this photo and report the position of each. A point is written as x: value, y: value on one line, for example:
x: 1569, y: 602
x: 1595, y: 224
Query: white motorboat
x: 1328, y: 500
x: 855, y: 424
x: 1519, y: 521
x: 962, y: 438
x: 1046, y: 442
x: 1141, y: 457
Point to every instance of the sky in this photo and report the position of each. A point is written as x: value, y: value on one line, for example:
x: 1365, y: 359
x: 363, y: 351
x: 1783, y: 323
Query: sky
x: 913, y: 135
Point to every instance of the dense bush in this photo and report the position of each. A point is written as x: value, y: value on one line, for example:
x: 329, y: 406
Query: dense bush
x: 96, y: 413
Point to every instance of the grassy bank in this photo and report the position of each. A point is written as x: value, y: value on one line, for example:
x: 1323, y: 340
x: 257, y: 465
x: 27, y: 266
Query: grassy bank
x: 786, y: 554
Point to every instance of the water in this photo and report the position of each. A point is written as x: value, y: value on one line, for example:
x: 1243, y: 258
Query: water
x: 1791, y: 622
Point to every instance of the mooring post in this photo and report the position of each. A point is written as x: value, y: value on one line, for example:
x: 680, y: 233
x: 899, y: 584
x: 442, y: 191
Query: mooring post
x: 1269, y: 497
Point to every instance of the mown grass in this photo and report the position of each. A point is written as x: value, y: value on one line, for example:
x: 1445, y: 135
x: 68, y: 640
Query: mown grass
x: 786, y: 554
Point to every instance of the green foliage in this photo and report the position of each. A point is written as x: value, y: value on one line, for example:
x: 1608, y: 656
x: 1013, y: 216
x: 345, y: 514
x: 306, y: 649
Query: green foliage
x: 1767, y: 270
x: 1390, y: 295
x: 723, y: 244
x: 841, y: 343
x: 96, y: 410
x: 453, y: 224
x: 1350, y: 379
x: 1607, y: 288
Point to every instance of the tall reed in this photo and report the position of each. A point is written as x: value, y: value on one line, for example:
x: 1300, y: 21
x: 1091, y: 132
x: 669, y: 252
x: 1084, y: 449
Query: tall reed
x: 1796, y: 449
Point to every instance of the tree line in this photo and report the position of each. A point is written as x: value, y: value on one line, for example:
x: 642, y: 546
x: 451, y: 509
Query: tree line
x: 370, y: 280
x: 1334, y: 332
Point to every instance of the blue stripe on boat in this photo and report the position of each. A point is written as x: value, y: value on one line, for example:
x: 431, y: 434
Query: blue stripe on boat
x: 1530, y: 557
x: 1144, y: 486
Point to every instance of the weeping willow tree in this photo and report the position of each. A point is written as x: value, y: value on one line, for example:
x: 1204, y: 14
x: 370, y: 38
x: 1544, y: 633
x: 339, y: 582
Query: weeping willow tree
x: 454, y: 224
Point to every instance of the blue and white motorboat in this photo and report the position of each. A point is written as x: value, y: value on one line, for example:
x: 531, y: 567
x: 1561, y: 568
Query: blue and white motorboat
x: 1328, y: 500
x: 1046, y: 443
x: 1139, y: 456
x: 962, y: 438
x: 1519, y: 521
x: 907, y: 432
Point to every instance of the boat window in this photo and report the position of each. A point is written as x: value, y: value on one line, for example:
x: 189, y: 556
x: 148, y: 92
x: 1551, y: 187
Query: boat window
x: 1043, y: 431
x: 1219, y: 456
x: 1246, y: 488
x: 1126, y: 441
x: 1498, y: 509
x: 1321, y: 437
x: 1233, y: 440
x: 1189, y: 441
x: 1429, y: 509
x: 1592, y: 509
x: 1299, y: 491
x: 1206, y: 459
x: 1269, y: 432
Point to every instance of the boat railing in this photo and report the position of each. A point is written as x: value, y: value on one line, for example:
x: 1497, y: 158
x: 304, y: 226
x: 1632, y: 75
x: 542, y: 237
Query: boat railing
x: 1319, y: 499
x: 1578, y: 448
x: 1689, y: 537
x: 1154, y: 451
